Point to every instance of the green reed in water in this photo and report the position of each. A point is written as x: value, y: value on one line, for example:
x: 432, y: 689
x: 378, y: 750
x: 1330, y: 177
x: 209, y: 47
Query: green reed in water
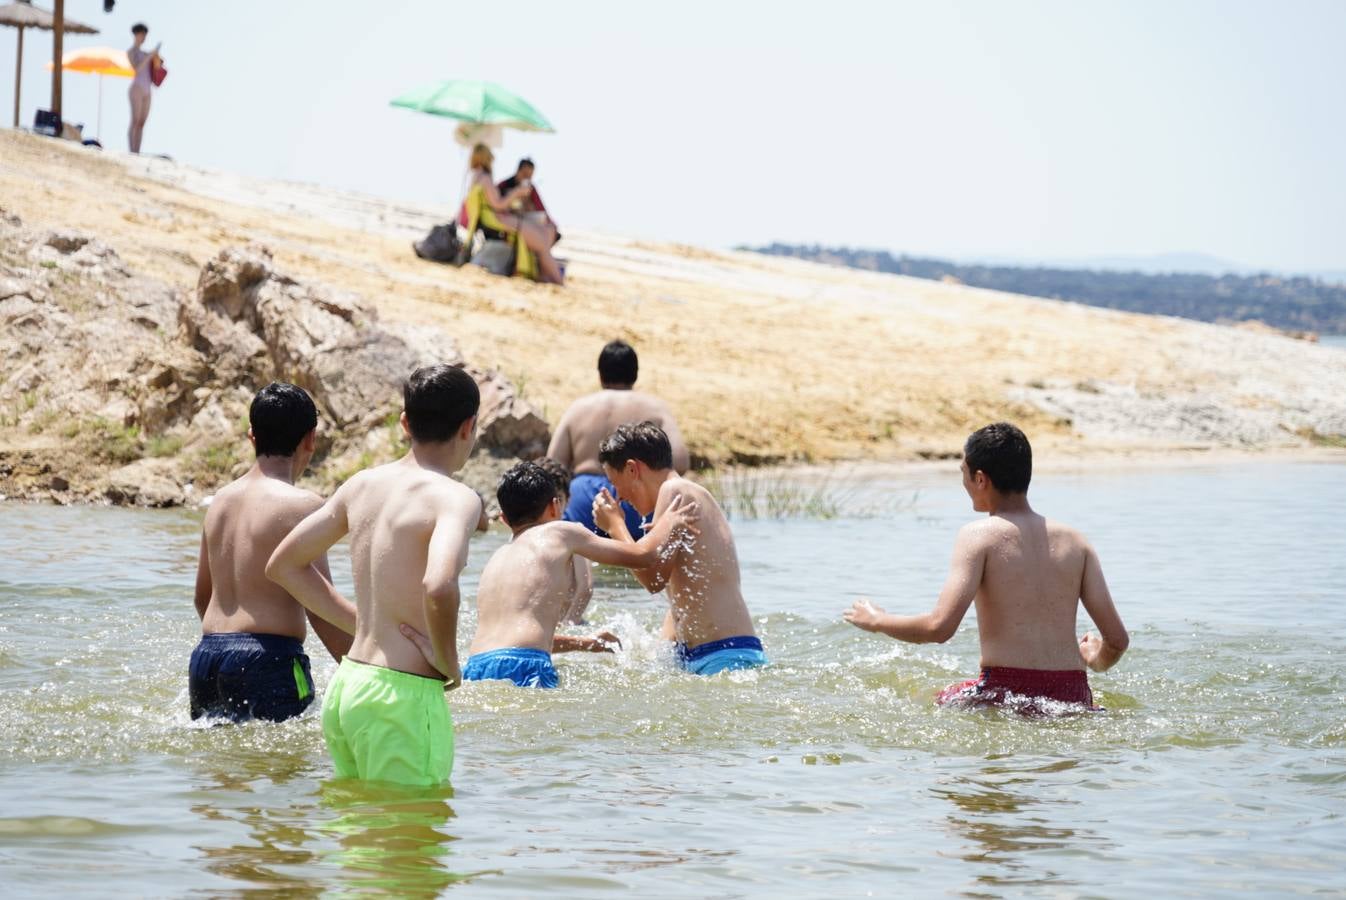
x: 753, y: 493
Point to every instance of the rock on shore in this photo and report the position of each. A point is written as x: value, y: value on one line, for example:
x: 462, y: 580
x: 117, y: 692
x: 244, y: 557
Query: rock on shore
x: 119, y: 388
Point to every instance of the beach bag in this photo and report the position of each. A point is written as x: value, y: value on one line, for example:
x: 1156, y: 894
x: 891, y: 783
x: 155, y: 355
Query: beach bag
x: 158, y: 74
x: 440, y: 245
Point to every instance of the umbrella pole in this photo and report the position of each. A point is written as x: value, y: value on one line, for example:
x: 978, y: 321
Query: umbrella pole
x: 18, y: 77
x: 100, y: 107
x: 57, y: 51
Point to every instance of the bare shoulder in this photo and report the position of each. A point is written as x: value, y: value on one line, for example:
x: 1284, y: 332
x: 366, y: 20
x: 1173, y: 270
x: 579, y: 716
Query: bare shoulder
x: 982, y: 533
x: 559, y: 536
x: 298, y: 502
x: 456, y: 495
x: 684, y: 487
x: 1062, y: 534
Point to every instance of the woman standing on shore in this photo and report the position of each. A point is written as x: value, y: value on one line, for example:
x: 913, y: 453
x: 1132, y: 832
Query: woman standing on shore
x: 142, y: 85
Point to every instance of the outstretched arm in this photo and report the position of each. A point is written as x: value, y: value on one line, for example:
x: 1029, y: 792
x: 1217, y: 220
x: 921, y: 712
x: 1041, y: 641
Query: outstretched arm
x: 294, y: 567
x: 204, y: 586
x: 596, y: 643
x: 646, y: 552
x: 1100, y: 652
x: 445, y: 559
x: 941, y: 623
x: 653, y: 575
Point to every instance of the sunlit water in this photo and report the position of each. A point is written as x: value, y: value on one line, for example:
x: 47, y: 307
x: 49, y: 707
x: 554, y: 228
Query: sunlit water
x: 1220, y: 766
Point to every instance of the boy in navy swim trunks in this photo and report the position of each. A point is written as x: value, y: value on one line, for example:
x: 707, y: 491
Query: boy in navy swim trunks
x: 710, y: 622
x: 1028, y: 575
x: 250, y: 663
x: 528, y: 583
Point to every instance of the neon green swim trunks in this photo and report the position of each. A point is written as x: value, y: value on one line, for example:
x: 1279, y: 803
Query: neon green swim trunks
x: 385, y: 725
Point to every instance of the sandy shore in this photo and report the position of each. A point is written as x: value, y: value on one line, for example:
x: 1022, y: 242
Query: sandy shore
x: 764, y: 359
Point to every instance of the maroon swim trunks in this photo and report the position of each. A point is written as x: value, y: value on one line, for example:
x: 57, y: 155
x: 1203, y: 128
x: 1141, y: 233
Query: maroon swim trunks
x: 1003, y: 686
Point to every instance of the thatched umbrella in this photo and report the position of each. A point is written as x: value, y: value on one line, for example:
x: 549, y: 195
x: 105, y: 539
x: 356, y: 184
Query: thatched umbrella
x: 23, y: 15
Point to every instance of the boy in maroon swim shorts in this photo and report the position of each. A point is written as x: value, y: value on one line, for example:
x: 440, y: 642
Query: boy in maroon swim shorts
x: 1028, y: 575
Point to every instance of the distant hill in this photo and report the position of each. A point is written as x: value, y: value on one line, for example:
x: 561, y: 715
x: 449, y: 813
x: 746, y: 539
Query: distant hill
x: 1296, y: 303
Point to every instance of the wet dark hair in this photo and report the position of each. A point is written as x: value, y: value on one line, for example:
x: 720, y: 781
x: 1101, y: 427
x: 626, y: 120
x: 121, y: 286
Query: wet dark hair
x: 617, y: 364
x: 140, y: 28
x: 524, y: 162
x: 1002, y: 452
x: 438, y: 400
x: 280, y: 416
x: 524, y: 492
x: 644, y: 441
x: 559, y: 474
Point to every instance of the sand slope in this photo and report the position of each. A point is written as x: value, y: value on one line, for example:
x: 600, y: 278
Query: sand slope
x: 762, y: 358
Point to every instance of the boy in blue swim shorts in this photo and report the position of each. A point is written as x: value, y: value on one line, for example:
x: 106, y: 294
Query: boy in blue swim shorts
x: 592, y: 417
x: 527, y: 585
x: 708, y: 618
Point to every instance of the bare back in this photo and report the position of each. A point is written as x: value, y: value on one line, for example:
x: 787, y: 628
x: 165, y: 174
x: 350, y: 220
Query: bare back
x: 525, y: 587
x: 591, y: 418
x: 1032, y: 582
x: 392, y: 511
x: 704, y: 587
x: 246, y: 521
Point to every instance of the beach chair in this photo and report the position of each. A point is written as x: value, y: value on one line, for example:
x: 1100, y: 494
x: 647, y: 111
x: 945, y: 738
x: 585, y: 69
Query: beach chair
x: 519, y: 260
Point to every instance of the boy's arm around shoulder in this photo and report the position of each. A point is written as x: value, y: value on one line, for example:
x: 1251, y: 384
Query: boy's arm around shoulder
x: 960, y: 589
x: 455, y: 521
x: 299, y: 562
x: 337, y: 642
x: 1102, y: 651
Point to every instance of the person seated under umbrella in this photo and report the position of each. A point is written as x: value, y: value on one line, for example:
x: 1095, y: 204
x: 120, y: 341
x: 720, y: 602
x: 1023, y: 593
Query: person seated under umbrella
x: 531, y: 207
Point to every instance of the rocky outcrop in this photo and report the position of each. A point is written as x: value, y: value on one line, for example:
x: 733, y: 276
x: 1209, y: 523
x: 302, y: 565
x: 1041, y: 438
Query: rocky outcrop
x: 118, y: 388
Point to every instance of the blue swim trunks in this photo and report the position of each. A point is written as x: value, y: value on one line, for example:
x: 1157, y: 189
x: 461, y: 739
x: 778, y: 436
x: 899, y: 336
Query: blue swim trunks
x: 524, y: 666
x: 240, y: 676
x: 583, y: 490
x: 743, y: 652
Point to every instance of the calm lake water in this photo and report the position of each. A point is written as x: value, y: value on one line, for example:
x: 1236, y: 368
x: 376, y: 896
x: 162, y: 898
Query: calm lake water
x: 1220, y: 767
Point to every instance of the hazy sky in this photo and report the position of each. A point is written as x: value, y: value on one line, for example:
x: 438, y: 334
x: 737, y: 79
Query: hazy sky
x: 962, y: 129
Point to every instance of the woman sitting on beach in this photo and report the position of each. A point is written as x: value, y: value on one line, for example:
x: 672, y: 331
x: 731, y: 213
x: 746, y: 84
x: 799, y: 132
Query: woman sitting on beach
x: 497, y: 217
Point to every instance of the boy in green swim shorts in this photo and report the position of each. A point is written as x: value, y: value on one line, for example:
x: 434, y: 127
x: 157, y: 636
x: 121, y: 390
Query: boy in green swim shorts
x: 384, y: 716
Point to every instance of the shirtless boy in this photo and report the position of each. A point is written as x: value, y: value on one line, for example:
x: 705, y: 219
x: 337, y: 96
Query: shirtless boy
x: 584, y: 572
x: 529, y: 582
x: 1027, y: 575
x: 384, y: 716
x: 593, y: 417
x: 250, y: 663
x: 710, y: 621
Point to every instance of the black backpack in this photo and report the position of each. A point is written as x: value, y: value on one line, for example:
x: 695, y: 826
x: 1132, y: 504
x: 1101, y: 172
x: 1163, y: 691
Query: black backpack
x: 441, y: 245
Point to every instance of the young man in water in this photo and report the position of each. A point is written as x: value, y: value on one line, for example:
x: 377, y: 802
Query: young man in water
x: 250, y: 663
x: 595, y: 416
x: 384, y: 716
x: 1027, y: 575
x: 708, y: 618
x: 529, y: 582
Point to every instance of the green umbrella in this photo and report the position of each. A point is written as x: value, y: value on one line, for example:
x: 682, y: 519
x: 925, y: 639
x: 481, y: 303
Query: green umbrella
x: 478, y: 102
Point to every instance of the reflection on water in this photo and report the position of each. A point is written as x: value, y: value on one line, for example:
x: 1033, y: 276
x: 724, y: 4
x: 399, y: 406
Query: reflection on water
x: 391, y: 839
x: 1008, y: 822
x: 831, y: 772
